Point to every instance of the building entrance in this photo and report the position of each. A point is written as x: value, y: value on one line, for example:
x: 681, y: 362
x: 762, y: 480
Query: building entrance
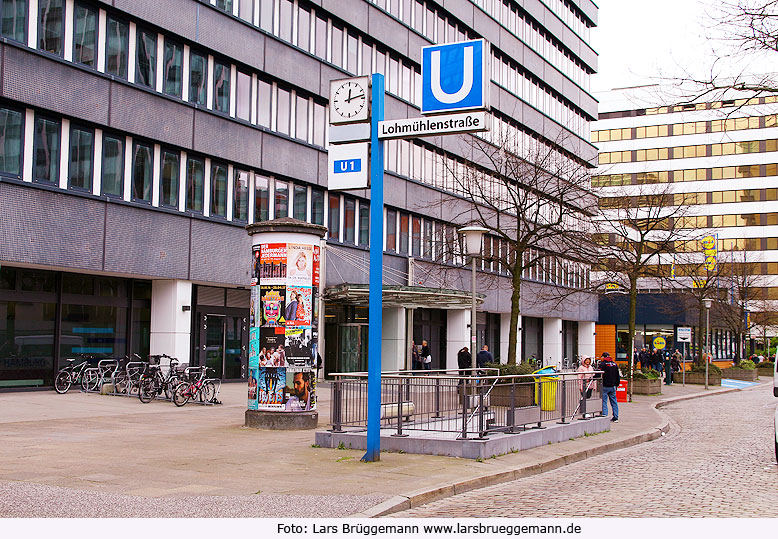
x: 223, y: 343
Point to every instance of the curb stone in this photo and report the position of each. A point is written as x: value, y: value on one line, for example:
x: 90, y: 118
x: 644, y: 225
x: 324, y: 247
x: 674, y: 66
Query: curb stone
x: 423, y: 496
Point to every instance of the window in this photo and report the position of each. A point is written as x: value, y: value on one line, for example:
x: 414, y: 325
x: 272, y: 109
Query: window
x: 51, y: 25
x: 404, y: 224
x: 145, y: 58
x: 264, y: 103
x: 11, y: 142
x: 85, y: 36
x: 142, y: 163
x: 173, y: 69
x: 168, y: 180
x: 243, y: 97
x: 364, y: 223
x: 321, y: 38
x: 301, y: 118
x: 319, y: 124
x: 261, y: 198
x: 221, y: 87
x: 300, y: 202
x: 14, y: 19
x: 284, y: 111
x: 304, y: 29
x: 349, y: 220
x: 47, y: 134
x: 113, y: 166
x: 198, y: 75
x: 391, y: 230
x: 427, y: 244
x: 281, y: 200
x: 266, y: 15
x: 195, y: 184
x: 246, y: 10
x: 337, y: 46
x: 416, y: 237
x: 240, y: 190
x: 81, y: 157
x: 219, y: 189
x: 285, y: 20
x: 225, y: 5
x: 116, y: 47
x: 317, y: 207
x: 334, y: 217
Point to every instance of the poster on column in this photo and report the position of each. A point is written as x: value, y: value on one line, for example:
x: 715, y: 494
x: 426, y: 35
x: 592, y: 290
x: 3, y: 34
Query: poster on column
x: 271, y: 382
x: 316, y: 265
x: 272, y: 352
x: 299, y: 306
x: 252, y: 388
x: 299, y: 263
x: 272, y: 263
x: 299, y: 347
x: 272, y: 304
x: 300, y: 390
x: 254, y: 347
x: 255, y: 318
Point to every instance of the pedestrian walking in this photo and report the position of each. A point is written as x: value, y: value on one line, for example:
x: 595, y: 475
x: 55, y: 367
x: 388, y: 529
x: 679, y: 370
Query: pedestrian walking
x: 610, y: 381
x: 585, y: 381
x: 426, y: 356
x: 464, y: 361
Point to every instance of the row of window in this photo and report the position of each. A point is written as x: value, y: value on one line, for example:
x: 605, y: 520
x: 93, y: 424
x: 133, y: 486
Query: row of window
x: 727, y: 221
x: 693, y: 199
x: 566, y: 11
x: 730, y: 244
x: 687, y: 175
x: 682, y: 152
x: 691, y: 107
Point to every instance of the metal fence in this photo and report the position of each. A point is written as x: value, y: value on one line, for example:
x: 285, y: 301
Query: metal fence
x: 469, y: 402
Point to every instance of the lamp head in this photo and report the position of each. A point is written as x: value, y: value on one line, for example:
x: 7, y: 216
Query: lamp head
x: 473, y: 235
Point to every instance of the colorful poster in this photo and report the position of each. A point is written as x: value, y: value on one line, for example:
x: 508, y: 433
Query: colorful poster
x: 271, y: 382
x: 254, y: 347
x: 299, y: 348
x: 272, y: 305
x: 252, y: 389
x: 299, y: 264
x: 316, y: 261
x: 299, y: 306
x: 255, y: 320
x: 272, y: 352
x: 300, y: 391
x: 315, y: 308
x: 272, y: 263
x: 255, y: 265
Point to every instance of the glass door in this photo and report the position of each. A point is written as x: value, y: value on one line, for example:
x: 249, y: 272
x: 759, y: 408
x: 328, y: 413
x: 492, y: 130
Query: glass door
x: 223, y: 345
x: 353, y: 347
x: 212, y: 334
x: 235, y: 349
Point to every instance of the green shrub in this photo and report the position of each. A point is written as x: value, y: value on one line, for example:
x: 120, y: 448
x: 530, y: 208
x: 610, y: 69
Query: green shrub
x: 508, y: 370
x: 651, y: 374
x: 638, y: 375
x: 766, y: 365
x: 746, y: 365
x: 712, y: 368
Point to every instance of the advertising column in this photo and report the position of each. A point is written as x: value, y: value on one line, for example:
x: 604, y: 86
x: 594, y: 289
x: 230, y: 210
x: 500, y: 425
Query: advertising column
x: 283, y: 335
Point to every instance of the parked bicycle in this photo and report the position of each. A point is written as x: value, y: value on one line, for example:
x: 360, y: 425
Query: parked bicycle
x: 200, y: 388
x: 94, y: 377
x: 126, y: 376
x: 71, y: 374
x: 153, y: 383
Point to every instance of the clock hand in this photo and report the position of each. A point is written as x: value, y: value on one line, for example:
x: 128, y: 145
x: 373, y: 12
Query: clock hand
x: 350, y: 99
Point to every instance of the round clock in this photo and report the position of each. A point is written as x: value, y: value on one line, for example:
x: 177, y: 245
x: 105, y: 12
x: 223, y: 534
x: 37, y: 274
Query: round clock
x: 349, y: 99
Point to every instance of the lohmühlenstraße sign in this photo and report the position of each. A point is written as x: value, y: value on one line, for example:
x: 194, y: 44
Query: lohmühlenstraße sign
x: 468, y: 122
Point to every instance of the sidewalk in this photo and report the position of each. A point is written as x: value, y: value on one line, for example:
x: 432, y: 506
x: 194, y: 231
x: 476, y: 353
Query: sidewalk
x: 118, y: 446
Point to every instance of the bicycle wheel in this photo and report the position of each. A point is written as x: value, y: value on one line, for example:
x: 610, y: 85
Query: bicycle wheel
x: 170, y: 387
x: 121, y: 383
x: 62, y: 382
x: 208, y: 392
x: 89, y: 380
x: 182, y: 394
x: 147, y: 389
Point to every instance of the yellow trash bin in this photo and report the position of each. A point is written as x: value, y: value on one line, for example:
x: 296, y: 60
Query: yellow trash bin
x: 548, y: 398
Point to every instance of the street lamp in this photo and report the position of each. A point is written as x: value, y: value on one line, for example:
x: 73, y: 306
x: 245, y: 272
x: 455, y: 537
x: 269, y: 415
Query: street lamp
x: 707, y: 302
x: 473, y: 236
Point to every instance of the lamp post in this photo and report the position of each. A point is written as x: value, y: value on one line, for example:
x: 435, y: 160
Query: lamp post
x: 473, y: 236
x: 707, y: 302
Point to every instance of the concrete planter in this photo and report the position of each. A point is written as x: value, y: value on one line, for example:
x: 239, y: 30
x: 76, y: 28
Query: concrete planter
x: 524, y: 396
x: 698, y: 378
x: 647, y: 387
x: 766, y: 372
x: 747, y: 375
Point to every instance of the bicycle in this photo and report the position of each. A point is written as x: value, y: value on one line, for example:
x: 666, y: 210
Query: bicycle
x: 201, y: 388
x: 94, y: 377
x: 152, y: 383
x: 71, y: 374
x: 126, y: 379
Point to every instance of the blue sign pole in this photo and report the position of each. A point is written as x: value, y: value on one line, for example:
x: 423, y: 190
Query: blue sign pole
x: 375, y: 308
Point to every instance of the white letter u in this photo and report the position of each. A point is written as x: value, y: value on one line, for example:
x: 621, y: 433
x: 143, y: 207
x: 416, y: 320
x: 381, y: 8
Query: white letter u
x: 467, y: 78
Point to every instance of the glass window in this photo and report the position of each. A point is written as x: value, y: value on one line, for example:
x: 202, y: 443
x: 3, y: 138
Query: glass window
x: 93, y: 329
x: 85, y: 36
x: 304, y: 29
x: 319, y: 124
x: 266, y: 15
x: 427, y: 251
x: 225, y: 5
x: 195, y: 184
x: 349, y: 220
x: 404, y: 224
x: 301, y: 118
x: 364, y: 223
x: 337, y: 46
x: 300, y: 202
x: 145, y: 58
x: 246, y: 10
x: 391, y: 230
x: 142, y: 171
x: 11, y: 142
x: 81, y: 156
x: 240, y: 191
x: 261, y: 198
x: 283, y: 113
x: 198, y: 75
x: 51, y: 25
x: 221, y: 87
x: 113, y: 166
x: 116, y: 47
x: 285, y: 20
x: 264, y: 103
x: 281, y: 200
x: 317, y: 207
x: 351, y: 54
x: 219, y: 189
x: 416, y: 237
x: 367, y: 59
x: 334, y: 217
x: 27, y: 335
x: 243, y: 96
x: 321, y: 38
x: 14, y: 19
x: 47, y: 134
x: 168, y: 180
x: 173, y: 69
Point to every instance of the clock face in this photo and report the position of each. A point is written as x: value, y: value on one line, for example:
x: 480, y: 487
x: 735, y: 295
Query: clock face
x: 349, y: 100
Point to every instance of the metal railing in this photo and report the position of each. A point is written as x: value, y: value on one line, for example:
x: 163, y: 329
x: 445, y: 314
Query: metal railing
x: 469, y: 402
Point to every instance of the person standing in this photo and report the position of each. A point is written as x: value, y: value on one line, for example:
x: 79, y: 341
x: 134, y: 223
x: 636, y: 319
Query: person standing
x: 426, y: 356
x: 464, y: 362
x: 610, y: 381
x: 415, y: 366
x: 484, y: 357
x: 585, y: 377
x: 644, y: 358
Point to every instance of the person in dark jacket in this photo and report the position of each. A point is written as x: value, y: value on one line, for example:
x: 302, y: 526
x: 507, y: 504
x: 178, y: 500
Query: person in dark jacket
x: 464, y: 361
x: 644, y: 358
x: 484, y: 357
x: 610, y: 381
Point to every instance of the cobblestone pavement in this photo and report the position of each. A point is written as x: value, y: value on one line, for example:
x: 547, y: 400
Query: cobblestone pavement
x: 717, y: 460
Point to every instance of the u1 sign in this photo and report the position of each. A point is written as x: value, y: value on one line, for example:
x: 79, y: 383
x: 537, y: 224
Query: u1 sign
x: 454, y: 77
x: 347, y: 166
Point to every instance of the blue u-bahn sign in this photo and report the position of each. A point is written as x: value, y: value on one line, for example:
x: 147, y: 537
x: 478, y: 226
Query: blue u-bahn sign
x: 454, y: 77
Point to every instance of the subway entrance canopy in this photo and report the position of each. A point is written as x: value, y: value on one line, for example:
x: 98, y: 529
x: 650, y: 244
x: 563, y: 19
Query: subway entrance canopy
x: 411, y: 297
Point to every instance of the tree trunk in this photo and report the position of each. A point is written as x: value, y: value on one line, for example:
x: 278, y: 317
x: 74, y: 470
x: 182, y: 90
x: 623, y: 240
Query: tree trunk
x: 633, y: 301
x: 513, y: 334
